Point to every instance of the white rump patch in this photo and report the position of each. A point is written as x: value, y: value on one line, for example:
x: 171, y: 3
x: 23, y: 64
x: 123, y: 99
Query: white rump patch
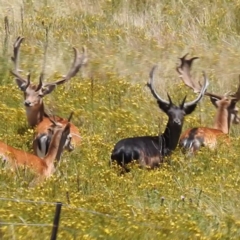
x: 43, y: 143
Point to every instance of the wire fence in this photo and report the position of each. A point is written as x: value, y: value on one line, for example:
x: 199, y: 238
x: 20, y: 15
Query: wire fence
x: 56, y: 220
x: 27, y: 224
x: 55, y: 203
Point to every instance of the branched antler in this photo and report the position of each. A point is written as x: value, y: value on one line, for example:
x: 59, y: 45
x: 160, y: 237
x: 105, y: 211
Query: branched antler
x: 79, y: 61
x: 185, y: 74
x: 23, y: 82
x: 184, y: 69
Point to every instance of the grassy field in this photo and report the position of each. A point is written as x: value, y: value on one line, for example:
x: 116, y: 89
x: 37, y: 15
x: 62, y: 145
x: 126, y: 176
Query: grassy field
x: 189, y: 198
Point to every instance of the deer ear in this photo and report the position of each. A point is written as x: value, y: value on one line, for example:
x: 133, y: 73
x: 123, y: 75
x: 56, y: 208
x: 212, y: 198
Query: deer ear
x: 47, y: 89
x: 190, y: 109
x: 163, y: 106
x: 20, y: 83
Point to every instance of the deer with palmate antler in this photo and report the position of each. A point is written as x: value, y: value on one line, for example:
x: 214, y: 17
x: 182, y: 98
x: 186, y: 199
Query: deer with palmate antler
x: 43, y: 168
x: 227, y: 112
x: 33, y: 100
x: 151, y: 150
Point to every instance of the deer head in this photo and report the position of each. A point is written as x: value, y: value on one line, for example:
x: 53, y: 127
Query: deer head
x: 33, y: 94
x: 65, y: 142
x: 176, y: 113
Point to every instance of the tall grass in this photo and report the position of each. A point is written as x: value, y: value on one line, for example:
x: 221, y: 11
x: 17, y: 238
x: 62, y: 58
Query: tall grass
x: 196, y: 198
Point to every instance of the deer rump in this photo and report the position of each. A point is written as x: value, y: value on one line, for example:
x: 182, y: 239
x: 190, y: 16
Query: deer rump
x: 146, y: 149
x: 226, y: 113
x: 195, y: 138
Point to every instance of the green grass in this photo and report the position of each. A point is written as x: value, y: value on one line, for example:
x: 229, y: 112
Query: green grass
x: 189, y: 198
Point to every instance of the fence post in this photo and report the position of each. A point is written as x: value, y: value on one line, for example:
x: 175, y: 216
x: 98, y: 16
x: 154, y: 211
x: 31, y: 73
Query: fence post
x: 56, y: 221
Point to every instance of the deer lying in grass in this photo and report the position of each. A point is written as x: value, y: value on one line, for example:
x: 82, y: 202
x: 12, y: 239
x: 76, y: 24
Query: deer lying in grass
x: 194, y: 138
x: 33, y: 100
x: 43, y: 168
x: 150, y: 150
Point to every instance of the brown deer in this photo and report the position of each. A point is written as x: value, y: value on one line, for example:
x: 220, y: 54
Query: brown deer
x: 227, y: 112
x: 43, y: 168
x: 33, y: 100
x: 151, y: 150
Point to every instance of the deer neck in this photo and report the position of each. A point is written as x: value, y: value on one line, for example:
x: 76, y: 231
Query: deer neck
x: 222, y: 120
x: 16, y: 158
x: 35, y: 114
x: 170, y: 137
x: 53, y: 152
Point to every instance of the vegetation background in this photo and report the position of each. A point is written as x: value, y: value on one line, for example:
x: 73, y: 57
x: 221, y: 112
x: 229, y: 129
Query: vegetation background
x: 190, y: 198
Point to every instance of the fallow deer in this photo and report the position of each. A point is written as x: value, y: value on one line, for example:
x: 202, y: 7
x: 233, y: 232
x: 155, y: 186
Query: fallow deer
x: 194, y: 138
x: 33, y: 100
x: 43, y: 168
x: 151, y: 150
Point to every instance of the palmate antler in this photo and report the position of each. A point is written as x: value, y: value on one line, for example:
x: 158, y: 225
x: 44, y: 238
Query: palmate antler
x: 184, y: 69
x: 79, y: 61
x: 185, y: 74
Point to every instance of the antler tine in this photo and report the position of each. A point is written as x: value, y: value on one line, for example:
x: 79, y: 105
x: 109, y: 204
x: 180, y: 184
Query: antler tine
x: 52, y: 118
x: 16, y: 47
x: 79, y: 61
x: 40, y: 82
x: 213, y: 95
x: 202, y: 91
x: 53, y: 121
x: 15, y: 59
x: 150, y: 85
x: 184, y: 71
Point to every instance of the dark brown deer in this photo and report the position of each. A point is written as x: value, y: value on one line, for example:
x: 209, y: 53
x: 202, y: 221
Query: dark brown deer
x: 150, y: 150
x: 33, y: 100
x: 227, y: 112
